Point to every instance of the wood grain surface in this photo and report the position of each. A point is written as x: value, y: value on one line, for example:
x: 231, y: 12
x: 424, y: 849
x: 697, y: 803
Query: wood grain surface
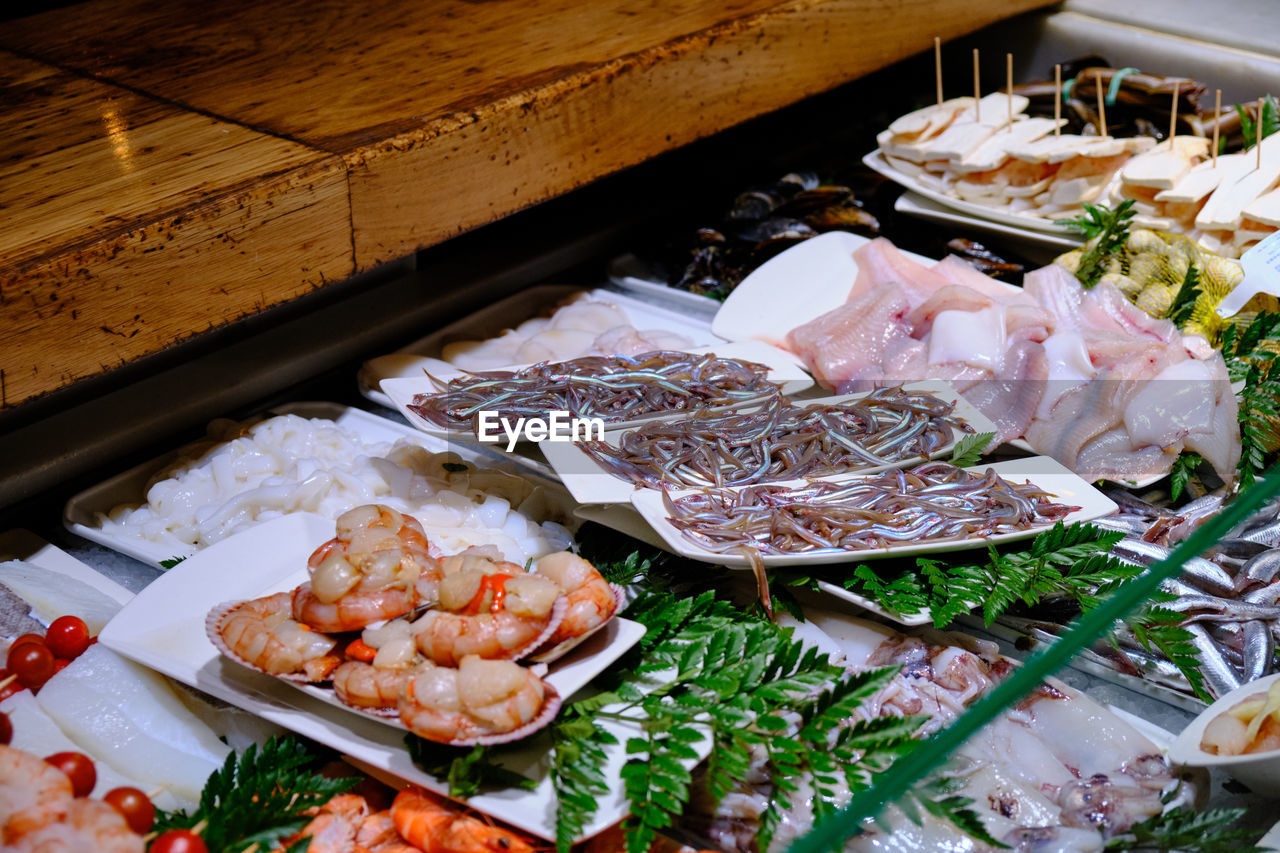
x: 444, y: 115
x: 131, y: 225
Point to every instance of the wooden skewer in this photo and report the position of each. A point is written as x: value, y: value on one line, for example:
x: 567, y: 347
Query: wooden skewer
x: 1217, y: 117
x: 1102, y: 106
x: 1257, y: 134
x: 8, y: 681
x: 1057, y: 100
x: 1008, y: 82
x: 151, y: 795
x: 977, y: 90
x: 1173, y: 115
x: 937, y: 66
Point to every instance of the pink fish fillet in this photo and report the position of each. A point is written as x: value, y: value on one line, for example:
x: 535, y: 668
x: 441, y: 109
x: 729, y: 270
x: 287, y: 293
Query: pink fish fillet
x: 881, y: 264
x: 1010, y: 401
x: 848, y: 343
x: 1112, y: 456
x: 950, y: 298
x: 1129, y: 317
x: 959, y: 271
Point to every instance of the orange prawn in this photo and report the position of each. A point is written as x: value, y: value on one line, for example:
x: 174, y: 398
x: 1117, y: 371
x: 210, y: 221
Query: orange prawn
x: 434, y: 826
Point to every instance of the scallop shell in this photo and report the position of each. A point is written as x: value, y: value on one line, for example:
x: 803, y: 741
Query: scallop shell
x: 553, y: 653
x: 558, y: 611
x: 551, y: 702
x: 216, y: 620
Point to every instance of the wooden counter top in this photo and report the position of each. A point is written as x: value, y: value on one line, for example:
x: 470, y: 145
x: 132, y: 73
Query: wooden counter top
x: 180, y: 166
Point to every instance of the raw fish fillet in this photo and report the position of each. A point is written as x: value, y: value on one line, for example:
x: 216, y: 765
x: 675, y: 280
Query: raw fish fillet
x: 52, y: 594
x: 1112, y: 456
x: 849, y: 342
x: 1010, y: 401
x: 949, y: 298
x: 880, y: 263
x: 129, y: 717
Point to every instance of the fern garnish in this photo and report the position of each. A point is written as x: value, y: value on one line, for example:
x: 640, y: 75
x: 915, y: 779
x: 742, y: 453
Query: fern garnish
x: 259, y: 797
x: 1183, y: 467
x: 1106, y: 229
x: 1212, y: 831
x: 1250, y: 356
x: 1268, y: 122
x: 968, y: 450
x: 467, y: 770
x: 1184, y: 302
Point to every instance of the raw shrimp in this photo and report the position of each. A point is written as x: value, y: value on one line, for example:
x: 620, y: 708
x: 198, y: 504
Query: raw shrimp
x: 334, y: 827
x: 483, y: 701
x: 363, y: 685
x: 260, y: 634
x: 30, y: 791
x: 435, y: 826
x: 378, y: 834
x: 592, y: 601
x: 494, y: 615
x: 378, y: 567
x: 80, y: 824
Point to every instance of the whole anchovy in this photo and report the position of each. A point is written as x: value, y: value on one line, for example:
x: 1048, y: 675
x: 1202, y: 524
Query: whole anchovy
x: 1261, y: 570
x: 1201, y: 608
x: 1219, y: 677
x: 1269, y: 594
x: 1207, y: 575
x: 1259, y: 650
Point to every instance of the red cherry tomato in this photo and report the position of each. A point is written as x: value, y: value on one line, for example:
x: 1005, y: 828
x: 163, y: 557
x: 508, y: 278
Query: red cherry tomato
x: 79, y: 768
x: 178, y: 841
x: 13, y: 686
x: 137, y: 810
x: 59, y: 664
x: 33, y: 664
x: 67, y: 637
x: 6, y: 729
x: 26, y: 638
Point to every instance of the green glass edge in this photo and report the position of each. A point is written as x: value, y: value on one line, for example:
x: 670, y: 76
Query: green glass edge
x: 829, y: 834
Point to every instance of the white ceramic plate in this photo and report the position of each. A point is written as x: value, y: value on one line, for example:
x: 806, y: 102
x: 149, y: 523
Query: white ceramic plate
x: 163, y: 628
x: 876, y: 161
x: 80, y: 515
x: 1260, y: 771
x: 913, y: 204
x: 784, y: 368
x: 589, y: 483
x: 1046, y: 473
x: 627, y: 273
x: 491, y: 321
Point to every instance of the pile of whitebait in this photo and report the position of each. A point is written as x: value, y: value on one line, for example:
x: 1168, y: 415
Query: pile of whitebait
x: 781, y: 441
x: 933, y: 502
x: 613, y: 388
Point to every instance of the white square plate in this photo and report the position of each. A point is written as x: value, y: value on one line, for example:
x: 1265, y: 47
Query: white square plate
x: 784, y: 368
x: 589, y: 483
x: 163, y: 628
x: 1044, y: 472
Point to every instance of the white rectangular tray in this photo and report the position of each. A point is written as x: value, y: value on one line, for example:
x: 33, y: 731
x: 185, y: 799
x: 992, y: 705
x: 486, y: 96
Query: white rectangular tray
x: 589, y: 483
x: 914, y: 204
x: 1044, y: 472
x: 164, y: 628
x: 510, y: 312
x: 784, y: 368
x: 130, y: 487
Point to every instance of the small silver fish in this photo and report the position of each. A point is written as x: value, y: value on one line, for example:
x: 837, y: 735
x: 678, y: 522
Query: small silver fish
x: 1219, y: 677
x: 1259, y: 650
x: 1261, y: 570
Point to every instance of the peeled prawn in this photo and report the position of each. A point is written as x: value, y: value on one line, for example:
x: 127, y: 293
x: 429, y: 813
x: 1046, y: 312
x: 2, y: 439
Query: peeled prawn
x: 592, y: 601
x: 377, y: 567
x: 434, y: 826
x: 30, y: 791
x: 363, y: 685
x: 494, y: 615
x: 261, y: 634
x: 335, y: 825
x: 80, y: 824
x: 482, y: 701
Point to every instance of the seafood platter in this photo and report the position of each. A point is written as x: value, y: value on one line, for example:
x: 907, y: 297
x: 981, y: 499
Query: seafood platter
x: 855, y: 485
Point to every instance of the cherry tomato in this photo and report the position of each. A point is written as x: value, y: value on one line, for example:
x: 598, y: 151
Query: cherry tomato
x: 6, y: 729
x: 79, y: 768
x: 67, y: 637
x: 26, y: 638
x: 12, y: 686
x: 59, y: 664
x: 33, y: 664
x: 178, y: 841
x: 137, y: 810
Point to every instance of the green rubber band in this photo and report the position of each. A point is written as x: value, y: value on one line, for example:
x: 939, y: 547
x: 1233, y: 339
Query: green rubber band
x: 1114, y: 88
x: 1067, y: 86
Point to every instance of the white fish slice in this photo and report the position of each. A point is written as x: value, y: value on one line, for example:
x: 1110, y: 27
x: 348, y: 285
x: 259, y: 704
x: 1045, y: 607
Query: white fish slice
x: 1163, y: 166
x: 129, y: 718
x: 53, y: 594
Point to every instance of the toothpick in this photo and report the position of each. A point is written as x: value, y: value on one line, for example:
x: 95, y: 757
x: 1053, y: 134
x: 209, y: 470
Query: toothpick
x: 937, y: 66
x: 1217, y: 117
x: 977, y: 91
x: 1102, y: 107
x: 1008, y: 81
x: 1257, y: 134
x: 155, y: 792
x: 1057, y: 100
x: 1173, y: 114
x: 8, y: 681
